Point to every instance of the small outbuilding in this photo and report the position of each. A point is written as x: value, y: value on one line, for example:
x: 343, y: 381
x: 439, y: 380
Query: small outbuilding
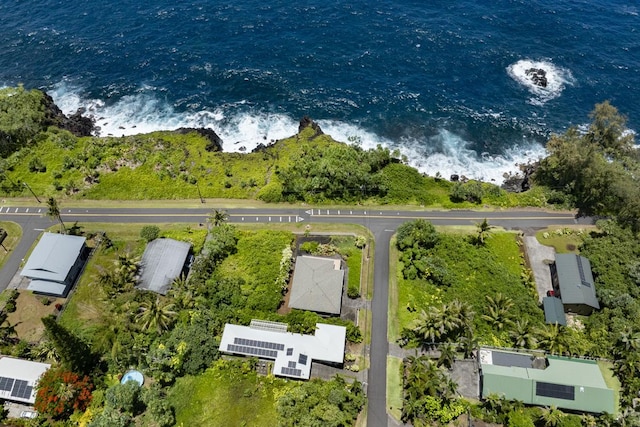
x: 18, y: 379
x: 554, y: 311
x: 317, y: 285
x: 55, y: 263
x: 573, y: 384
x: 162, y: 262
x: 573, y: 283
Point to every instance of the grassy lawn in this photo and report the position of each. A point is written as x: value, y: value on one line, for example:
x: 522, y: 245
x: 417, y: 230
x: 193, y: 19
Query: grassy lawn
x: 393, y: 328
x: 364, y: 322
x: 611, y: 380
x: 226, y: 397
x: 473, y: 272
x: 29, y: 310
x: 394, y: 386
x: 14, y: 233
x: 565, y: 240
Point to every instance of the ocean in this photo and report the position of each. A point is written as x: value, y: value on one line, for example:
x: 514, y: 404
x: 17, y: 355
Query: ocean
x: 442, y: 81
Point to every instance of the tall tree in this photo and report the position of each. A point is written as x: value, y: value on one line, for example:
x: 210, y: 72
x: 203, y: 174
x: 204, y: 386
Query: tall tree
x: 53, y: 211
x: 483, y: 229
x: 74, y: 353
x: 156, y: 314
x: 218, y: 217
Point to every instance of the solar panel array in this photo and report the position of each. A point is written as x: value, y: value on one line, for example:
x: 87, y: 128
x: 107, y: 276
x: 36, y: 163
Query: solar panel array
x: 292, y: 364
x: 259, y: 344
x: 19, y: 389
x: 291, y: 372
x: 268, y: 325
x: 302, y: 359
x: 6, y: 384
x: 558, y: 391
x: 22, y: 390
x: 581, y: 272
x: 272, y: 354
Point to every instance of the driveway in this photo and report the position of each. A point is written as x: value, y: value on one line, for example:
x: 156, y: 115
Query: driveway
x: 539, y: 257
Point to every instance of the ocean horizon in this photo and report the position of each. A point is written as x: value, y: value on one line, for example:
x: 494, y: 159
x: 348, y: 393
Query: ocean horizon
x: 445, y: 83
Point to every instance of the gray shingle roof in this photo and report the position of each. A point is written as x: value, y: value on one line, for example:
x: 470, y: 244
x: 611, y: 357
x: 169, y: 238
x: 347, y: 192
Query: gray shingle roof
x: 576, y: 280
x: 554, y: 311
x: 162, y: 262
x: 317, y: 285
x: 53, y: 257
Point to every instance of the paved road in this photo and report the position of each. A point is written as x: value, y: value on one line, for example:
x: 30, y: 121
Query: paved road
x: 382, y: 224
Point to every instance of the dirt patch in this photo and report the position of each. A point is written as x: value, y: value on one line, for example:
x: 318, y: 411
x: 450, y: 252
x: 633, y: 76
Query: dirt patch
x: 29, y: 310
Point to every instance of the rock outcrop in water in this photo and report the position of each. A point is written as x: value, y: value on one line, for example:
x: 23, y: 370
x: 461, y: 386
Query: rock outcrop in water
x: 538, y: 76
x: 521, y: 181
x: 307, y: 122
x: 215, y: 142
x: 77, y: 123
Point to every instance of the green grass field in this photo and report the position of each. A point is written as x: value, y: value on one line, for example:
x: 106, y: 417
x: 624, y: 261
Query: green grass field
x: 565, y: 240
x: 394, y: 386
x: 226, y: 396
x: 14, y: 234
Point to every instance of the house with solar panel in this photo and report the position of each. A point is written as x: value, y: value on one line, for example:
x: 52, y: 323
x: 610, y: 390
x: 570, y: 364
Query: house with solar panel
x: 573, y: 283
x: 162, y: 262
x: 291, y: 353
x: 55, y: 263
x: 18, y: 379
x: 571, y: 384
x: 317, y: 285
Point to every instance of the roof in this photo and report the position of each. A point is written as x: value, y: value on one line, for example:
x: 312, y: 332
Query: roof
x: 554, y: 311
x: 47, y: 287
x: 573, y: 384
x: 19, y: 377
x: 317, y: 285
x: 292, y: 353
x: 576, y: 280
x: 53, y: 257
x: 162, y: 261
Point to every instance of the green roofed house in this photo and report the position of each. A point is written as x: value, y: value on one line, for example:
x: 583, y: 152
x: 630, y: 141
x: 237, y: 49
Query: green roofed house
x: 572, y: 384
x: 55, y: 263
x: 573, y: 283
x: 554, y: 311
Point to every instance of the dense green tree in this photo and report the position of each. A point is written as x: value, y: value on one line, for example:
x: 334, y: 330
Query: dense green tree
x: 22, y: 117
x: 61, y: 392
x: 74, y: 353
x: 125, y: 397
x: 149, y: 232
x: 156, y: 314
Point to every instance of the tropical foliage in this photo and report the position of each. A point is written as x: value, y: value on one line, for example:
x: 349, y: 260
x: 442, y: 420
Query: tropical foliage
x: 61, y: 392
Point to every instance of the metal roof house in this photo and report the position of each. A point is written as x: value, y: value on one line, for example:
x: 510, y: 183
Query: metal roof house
x: 292, y: 353
x: 317, y: 285
x: 554, y: 311
x: 163, y: 260
x: 55, y: 263
x: 573, y: 283
x: 18, y: 379
x: 573, y: 384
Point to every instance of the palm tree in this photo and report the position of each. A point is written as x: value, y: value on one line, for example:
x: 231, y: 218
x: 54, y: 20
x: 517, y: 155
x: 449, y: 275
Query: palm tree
x: 483, y: 229
x: 7, y: 330
x: 53, y: 211
x: 218, y: 217
x: 45, y: 351
x: 447, y: 355
x: 155, y: 314
x: 521, y: 335
x: 552, y: 339
x: 552, y: 417
x: 498, y: 311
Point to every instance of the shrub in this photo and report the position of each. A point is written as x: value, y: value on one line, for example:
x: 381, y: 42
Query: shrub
x: 62, y: 392
x: 150, y: 232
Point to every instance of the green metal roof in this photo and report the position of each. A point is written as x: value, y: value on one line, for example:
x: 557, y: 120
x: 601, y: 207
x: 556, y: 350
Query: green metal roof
x: 582, y: 377
x: 554, y: 311
x: 576, y: 280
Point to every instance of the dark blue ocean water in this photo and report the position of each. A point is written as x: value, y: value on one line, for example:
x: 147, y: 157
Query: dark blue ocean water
x: 441, y: 80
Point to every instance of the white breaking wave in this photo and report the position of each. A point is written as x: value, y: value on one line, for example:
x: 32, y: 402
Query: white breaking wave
x: 557, y: 79
x: 242, y: 130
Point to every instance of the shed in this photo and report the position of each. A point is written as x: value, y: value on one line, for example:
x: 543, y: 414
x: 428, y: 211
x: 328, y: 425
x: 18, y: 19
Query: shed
x: 55, y: 263
x: 554, y: 311
x: 317, y: 284
x: 573, y: 283
x: 18, y: 379
x: 162, y: 262
x: 573, y: 384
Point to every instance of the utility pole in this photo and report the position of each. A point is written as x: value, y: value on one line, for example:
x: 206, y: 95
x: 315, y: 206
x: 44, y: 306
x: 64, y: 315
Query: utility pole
x: 32, y: 192
x: 199, y: 193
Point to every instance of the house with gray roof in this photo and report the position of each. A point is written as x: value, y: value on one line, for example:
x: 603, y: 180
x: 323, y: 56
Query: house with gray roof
x: 55, y: 263
x: 573, y: 283
x: 162, y: 262
x: 292, y: 353
x: 19, y: 378
x: 317, y: 284
x: 554, y: 311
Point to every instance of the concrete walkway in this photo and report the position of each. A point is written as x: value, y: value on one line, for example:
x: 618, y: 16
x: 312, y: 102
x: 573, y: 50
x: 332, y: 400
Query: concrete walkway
x: 539, y: 257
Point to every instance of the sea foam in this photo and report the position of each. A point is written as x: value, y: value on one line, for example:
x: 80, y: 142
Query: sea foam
x: 557, y: 79
x: 242, y: 129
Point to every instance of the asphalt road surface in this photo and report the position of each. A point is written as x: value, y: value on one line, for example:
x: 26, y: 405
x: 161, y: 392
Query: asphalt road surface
x: 382, y: 224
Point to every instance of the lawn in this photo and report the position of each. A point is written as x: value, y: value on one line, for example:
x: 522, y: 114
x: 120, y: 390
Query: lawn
x: 226, y: 396
x: 29, y: 310
x: 474, y: 272
x: 14, y: 233
x: 565, y: 240
x: 394, y: 386
x: 353, y: 255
